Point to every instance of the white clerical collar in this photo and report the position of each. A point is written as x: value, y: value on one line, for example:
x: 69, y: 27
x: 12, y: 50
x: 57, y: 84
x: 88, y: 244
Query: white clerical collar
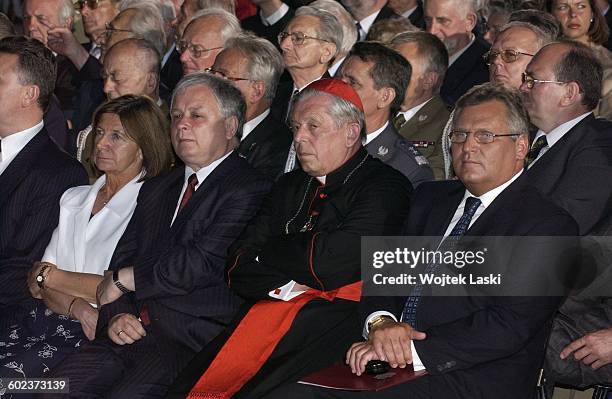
x: 322, y: 179
x: 374, y: 134
x: 12, y: 145
x: 413, y: 111
x: 334, y: 68
x: 204, y: 172
x: 488, y: 197
x: 409, y: 12
x: 368, y: 21
x: 275, y: 16
x: 168, y: 54
x: 557, y: 133
x: 252, y: 124
x: 454, y: 57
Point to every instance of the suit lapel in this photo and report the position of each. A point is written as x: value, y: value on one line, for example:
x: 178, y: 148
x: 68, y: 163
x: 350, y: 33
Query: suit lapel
x: 442, y: 212
x: 424, y: 115
x: 462, y: 66
x: 380, y: 147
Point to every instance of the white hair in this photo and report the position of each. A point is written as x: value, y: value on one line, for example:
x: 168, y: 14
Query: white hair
x: 230, y: 29
x: 349, y: 32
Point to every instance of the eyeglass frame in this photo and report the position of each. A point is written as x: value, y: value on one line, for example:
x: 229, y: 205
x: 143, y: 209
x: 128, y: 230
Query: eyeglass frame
x: 110, y: 28
x: 194, y: 49
x: 486, y: 55
x: 283, y: 35
x: 531, y: 82
x: 477, y: 134
x: 89, y: 3
x: 223, y: 75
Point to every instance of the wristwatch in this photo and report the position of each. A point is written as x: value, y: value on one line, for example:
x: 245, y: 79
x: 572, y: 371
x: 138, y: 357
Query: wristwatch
x: 378, y: 320
x: 41, y: 276
x: 118, y: 283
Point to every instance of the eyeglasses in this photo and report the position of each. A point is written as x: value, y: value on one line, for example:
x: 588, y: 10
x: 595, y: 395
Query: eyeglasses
x: 91, y: 4
x: 530, y: 81
x: 110, y: 29
x: 195, y: 50
x: 507, y: 56
x: 223, y: 75
x: 481, y: 136
x: 297, y: 38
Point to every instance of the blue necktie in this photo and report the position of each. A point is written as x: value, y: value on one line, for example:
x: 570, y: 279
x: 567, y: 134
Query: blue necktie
x: 412, y: 302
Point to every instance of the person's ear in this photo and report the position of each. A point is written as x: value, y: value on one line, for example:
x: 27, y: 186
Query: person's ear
x: 572, y: 94
x: 31, y: 93
x: 522, y: 147
x: 257, y: 92
x: 386, y: 97
x: 231, y: 127
x: 470, y: 21
x: 352, y: 135
x: 328, y: 52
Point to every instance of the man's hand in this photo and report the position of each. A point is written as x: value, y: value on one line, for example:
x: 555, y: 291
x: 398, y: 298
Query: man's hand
x: 87, y: 315
x: 125, y: 328
x: 62, y: 41
x: 107, y: 291
x: 594, y: 349
x: 388, y: 341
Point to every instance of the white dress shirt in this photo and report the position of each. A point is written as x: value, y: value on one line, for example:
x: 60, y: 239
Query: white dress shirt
x: 252, y: 124
x: 12, y: 145
x: 365, y: 24
x: 555, y: 135
x: 371, y: 136
x: 486, y: 200
x: 409, y: 12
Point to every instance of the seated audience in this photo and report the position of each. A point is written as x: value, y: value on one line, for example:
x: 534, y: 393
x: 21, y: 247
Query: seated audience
x: 543, y: 20
x: 131, y: 145
x: 380, y: 76
x: 170, y: 299
x: 423, y: 115
x: 34, y: 172
x: 271, y: 18
x: 299, y: 258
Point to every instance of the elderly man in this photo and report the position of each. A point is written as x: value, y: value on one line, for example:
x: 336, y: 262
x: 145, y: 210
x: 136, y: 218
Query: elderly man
x: 483, y: 346
x: 205, y: 37
x: 34, y: 172
x: 452, y: 21
x: 130, y: 67
x: 512, y: 50
x: 570, y: 159
x: 254, y: 66
x: 380, y: 76
x: 423, y: 115
x: 176, y: 299
x: 96, y: 14
x: 367, y: 12
x: 299, y: 258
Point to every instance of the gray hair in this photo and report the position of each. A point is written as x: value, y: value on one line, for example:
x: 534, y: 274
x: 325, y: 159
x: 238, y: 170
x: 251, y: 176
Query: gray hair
x: 466, y: 6
x: 429, y: 47
x: 349, y: 32
x: 165, y: 7
x: 341, y: 110
x: 542, y: 37
x: 516, y: 114
x: 227, y: 5
x: 232, y: 25
x: 228, y: 97
x: 329, y: 28
x: 264, y: 59
x: 66, y: 10
x: 147, y: 24
x: 543, y: 20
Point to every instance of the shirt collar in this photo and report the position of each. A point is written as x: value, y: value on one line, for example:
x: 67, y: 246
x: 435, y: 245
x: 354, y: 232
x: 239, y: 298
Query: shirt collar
x: 488, y: 197
x: 453, y: 58
x: 299, y: 89
x: 204, y: 172
x: 368, y: 21
x: 409, y: 12
x: 413, y: 111
x: 11, y: 145
x: 275, y: 16
x: 252, y: 124
x: 334, y: 68
x: 557, y: 133
x: 168, y: 54
x: 374, y: 134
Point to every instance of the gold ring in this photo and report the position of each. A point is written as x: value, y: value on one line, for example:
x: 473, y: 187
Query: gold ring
x: 120, y: 332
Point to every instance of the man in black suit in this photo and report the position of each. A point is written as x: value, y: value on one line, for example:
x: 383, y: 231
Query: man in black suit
x: 380, y: 76
x: 471, y: 346
x: 271, y: 18
x: 570, y: 159
x: 34, y: 172
x: 254, y: 66
x: 176, y: 299
x: 452, y: 21
x: 367, y: 13
x: 411, y: 9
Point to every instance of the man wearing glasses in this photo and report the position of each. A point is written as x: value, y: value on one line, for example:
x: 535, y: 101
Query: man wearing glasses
x: 96, y: 14
x: 570, y: 159
x: 512, y: 50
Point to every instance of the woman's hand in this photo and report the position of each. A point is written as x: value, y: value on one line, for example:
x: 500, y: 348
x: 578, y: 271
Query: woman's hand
x: 87, y: 315
x: 33, y: 286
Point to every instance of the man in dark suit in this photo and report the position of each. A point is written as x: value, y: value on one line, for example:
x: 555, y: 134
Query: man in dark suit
x: 367, y: 13
x: 34, y: 172
x: 271, y: 18
x: 380, y: 76
x: 176, y: 299
x: 452, y: 21
x: 570, y: 159
x: 471, y: 346
x: 254, y: 66
x: 411, y: 9
x: 423, y: 115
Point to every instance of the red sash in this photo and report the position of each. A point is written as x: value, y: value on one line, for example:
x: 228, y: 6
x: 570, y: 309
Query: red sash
x: 246, y: 351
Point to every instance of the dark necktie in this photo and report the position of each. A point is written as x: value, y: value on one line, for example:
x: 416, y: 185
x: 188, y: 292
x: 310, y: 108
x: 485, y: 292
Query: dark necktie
x: 412, y: 302
x: 399, y: 121
x: 360, y: 32
x: 533, y: 153
x: 192, y: 182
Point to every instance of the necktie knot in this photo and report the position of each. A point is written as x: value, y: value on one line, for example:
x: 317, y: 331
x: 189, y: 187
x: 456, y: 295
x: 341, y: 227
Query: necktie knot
x: 536, y: 147
x: 192, y: 181
x: 469, y: 210
x: 399, y: 121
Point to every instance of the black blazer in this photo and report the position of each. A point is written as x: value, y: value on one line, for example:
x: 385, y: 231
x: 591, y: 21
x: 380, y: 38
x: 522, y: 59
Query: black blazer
x: 280, y: 104
x: 417, y: 18
x: 480, y: 346
x: 179, y: 269
x: 254, y: 24
x: 385, y: 13
x: 267, y: 146
x: 466, y: 72
x: 575, y: 172
x: 170, y: 74
x: 30, y: 190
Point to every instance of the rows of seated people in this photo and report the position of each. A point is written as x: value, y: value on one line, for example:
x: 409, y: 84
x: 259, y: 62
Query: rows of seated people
x: 183, y: 199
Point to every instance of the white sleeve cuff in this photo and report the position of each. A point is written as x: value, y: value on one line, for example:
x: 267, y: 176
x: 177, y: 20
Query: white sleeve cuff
x: 417, y: 364
x: 285, y: 292
x: 371, y: 317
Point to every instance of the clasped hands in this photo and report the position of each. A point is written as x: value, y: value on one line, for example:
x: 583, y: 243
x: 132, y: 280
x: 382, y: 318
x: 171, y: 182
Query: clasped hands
x: 388, y: 341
